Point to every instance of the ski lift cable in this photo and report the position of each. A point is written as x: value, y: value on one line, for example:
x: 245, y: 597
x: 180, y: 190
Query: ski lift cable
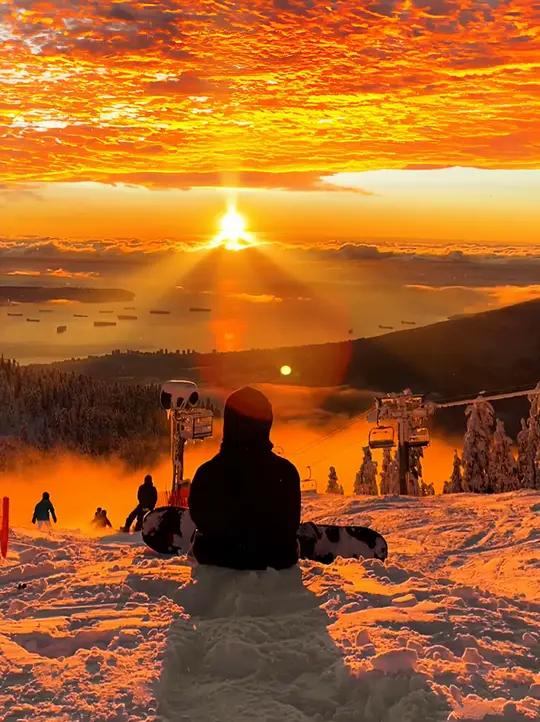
x: 486, y: 397
x: 322, y: 458
x: 356, y: 419
x: 437, y: 405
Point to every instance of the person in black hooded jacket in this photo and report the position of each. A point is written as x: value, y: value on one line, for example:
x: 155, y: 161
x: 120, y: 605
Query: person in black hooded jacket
x: 245, y: 502
x: 147, y: 499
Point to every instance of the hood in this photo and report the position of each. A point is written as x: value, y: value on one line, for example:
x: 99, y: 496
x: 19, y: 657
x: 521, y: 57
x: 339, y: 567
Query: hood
x: 247, y: 420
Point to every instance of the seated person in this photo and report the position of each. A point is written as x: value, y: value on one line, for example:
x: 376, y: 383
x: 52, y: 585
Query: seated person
x: 96, y: 521
x: 245, y: 502
x: 104, y: 519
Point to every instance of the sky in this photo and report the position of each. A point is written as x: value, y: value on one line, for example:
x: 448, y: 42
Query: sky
x: 384, y: 157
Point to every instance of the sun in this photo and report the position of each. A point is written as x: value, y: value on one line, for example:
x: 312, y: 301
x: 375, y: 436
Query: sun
x: 233, y: 228
x: 233, y: 235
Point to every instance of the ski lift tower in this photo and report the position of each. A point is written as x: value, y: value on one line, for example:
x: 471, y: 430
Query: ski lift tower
x: 409, y: 413
x: 187, y: 423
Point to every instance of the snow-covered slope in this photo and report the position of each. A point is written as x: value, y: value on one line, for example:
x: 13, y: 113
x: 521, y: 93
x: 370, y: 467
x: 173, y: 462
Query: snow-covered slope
x: 447, y: 629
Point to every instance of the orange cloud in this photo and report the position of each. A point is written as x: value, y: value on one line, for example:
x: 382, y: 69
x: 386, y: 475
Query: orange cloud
x: 148, y: 90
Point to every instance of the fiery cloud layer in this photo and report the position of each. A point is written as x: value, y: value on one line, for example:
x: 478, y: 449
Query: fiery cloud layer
x: 175, y: 93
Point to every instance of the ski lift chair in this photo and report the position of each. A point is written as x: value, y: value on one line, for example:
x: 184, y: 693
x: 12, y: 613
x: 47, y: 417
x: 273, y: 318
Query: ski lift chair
x: 419, y: 437
x: 308, y: 484
x: 382, y: 437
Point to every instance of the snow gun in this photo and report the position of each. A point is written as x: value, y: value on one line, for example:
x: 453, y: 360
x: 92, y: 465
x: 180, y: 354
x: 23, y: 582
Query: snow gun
x: 187, y: 422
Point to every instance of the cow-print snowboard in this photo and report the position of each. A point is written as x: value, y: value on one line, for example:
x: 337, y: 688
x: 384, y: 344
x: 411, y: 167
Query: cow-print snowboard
x: 170, y: 530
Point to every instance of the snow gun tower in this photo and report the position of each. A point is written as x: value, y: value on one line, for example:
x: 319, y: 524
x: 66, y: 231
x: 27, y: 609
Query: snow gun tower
x: 187, y: 423
x: 406, y: 412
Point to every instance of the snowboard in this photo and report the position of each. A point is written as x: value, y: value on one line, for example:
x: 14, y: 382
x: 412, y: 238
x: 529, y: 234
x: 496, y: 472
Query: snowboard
x: 170, y: 530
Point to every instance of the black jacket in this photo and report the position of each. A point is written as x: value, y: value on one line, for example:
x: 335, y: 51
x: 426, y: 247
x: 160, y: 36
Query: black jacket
x: 147, y: 496
x: 245, y: 502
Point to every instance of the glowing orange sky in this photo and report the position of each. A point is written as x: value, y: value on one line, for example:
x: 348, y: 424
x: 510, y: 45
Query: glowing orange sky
x: 262, y: 94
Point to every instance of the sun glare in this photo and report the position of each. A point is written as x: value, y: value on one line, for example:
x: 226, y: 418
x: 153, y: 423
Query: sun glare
x: 232, y: 234
x: 285, y: 370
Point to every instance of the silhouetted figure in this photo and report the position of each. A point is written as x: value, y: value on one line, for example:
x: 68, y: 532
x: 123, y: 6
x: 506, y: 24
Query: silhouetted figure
x: 97, y: 517
x: 245, y: 501
x: 147, y: 498
x: 100, y: 519
x: 43, y: 511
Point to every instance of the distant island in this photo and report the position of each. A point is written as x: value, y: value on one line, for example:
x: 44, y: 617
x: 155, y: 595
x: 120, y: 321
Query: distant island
x: 34, y: 294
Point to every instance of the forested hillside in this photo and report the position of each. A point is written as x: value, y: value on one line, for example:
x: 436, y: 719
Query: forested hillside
x: 45, y: 408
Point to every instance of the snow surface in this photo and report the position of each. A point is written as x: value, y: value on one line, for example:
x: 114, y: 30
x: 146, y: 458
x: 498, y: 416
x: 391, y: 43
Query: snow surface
x: 448, y: 629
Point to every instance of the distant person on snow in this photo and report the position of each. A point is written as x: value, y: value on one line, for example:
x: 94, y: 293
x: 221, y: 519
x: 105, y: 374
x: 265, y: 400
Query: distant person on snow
x: 147, y: 498
x: 97, y: 517
x: 245, y: 502
x: 43, y: 511
x: 100, y: 519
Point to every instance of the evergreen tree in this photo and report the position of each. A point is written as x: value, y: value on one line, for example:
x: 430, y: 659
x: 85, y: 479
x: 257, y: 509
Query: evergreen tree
x: 523, y: 454
x: 502, y: 465
x: 529, y: 446
x: 333, y: 487
x: 414, y: 478
x: 455, y: 485
x: 476, y: 446
x: 366, y: 477
x: 427, y: 488
x: 389, y: 474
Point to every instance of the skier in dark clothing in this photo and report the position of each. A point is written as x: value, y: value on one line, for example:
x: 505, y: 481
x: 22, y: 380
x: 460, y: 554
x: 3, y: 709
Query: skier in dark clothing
x: 147, y: 498
x: 105, y: 519
x: 245, y: 502
x: 43, y: 511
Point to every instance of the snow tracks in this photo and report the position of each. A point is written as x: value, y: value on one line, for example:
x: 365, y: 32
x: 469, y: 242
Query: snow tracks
x: 447, y: 630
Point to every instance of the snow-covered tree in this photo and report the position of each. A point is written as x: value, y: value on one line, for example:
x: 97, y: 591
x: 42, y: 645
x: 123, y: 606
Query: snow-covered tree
x: 414, y: 478
x: 476, y: 446
x: 427, y: 488
x: 523, y: 454
x: 333, y: 487
x: 389, y: 473
x: 366, y: 478
x: 502, y: 469
x: 529, y: 446
x: 455, y: 485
